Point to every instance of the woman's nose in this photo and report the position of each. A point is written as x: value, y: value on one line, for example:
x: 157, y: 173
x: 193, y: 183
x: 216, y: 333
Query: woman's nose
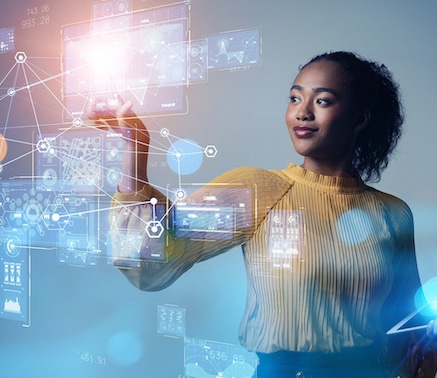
x: 304, y: 113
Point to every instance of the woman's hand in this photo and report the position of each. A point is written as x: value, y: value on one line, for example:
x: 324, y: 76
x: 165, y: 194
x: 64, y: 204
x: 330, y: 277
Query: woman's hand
x: 123, y: 120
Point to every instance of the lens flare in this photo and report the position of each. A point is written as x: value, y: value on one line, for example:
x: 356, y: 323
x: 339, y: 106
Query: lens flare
x: 427, y: 294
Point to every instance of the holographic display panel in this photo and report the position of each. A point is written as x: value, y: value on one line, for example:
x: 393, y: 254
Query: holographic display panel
x: 139, y: 56
x: 234, y: 49
x: 221, y: 213
x: 18, y: 208
x: 7, y: 40
x: 205, y: 358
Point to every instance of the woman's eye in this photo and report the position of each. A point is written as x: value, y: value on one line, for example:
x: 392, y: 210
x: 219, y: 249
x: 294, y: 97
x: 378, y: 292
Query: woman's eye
x: 322, y: 101
x: 294, y: 99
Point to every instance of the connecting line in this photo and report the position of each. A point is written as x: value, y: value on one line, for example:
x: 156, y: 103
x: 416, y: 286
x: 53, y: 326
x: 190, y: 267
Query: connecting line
x: 17, y: 158
x: 10, y: 103
x: 7, y: 75
x: 28, y: 87
x: 43, y: 82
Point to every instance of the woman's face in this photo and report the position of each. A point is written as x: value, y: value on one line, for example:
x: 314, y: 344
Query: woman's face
x: 321, y: 118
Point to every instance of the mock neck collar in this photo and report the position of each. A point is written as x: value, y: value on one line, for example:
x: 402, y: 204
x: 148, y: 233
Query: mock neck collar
x: 324, y: 183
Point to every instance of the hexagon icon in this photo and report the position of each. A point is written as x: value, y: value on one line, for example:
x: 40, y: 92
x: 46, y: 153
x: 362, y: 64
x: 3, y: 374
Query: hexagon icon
x: 20, y: 57
x: 154, y: 229
x: 210, y: 151
x: 43, y: 146
x: 32, y: 211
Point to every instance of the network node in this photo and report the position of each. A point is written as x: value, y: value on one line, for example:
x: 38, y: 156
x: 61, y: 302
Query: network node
x: 180, y: 194
x: 77, y: 122
x: 56, y: 217
x: 11, y: 92
x: 165, y: 133
x: 210, y: 151
x: 20, y: 57
x: 43, y: 146
x: 154, y: 229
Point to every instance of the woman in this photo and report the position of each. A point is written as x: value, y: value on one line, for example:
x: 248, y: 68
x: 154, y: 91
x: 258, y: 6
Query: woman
x: 330, y: 261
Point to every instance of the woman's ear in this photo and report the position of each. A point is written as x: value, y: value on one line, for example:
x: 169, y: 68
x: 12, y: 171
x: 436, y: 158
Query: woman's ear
x: 363, y: 120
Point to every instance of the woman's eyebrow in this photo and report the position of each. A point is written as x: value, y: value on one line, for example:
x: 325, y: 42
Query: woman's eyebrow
x: 317, y: 90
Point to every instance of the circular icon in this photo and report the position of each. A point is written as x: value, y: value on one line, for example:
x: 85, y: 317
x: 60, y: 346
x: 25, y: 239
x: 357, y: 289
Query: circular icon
x: 50, y: 177
x: 13, y: 246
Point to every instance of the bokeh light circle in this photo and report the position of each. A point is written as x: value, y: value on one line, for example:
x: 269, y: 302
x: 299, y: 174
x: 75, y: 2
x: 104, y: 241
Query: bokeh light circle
x: 354, y: 226
x: 184, y: 157
x: 125, y: 348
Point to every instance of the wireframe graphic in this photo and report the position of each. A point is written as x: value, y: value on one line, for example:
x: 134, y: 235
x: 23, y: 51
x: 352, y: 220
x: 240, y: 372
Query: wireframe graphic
x: 235, y: 49
x: 205, y: 358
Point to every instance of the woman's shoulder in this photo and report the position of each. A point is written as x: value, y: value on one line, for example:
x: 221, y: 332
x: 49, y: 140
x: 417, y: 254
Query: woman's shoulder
x: 395, y: 208
x: 253, y: 176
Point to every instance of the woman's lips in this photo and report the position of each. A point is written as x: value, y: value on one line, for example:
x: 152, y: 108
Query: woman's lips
x: 304, y: 131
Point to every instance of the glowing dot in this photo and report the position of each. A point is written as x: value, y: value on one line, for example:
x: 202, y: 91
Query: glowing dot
x: 180, y: 194
x: 153, y: 201
x: 56, y: 217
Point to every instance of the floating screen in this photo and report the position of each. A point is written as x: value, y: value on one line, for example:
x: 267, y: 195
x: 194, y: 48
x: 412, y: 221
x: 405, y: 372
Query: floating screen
x: 206, y: 358
x: 17, y: 207
x: 140, y: 57
x: 77, y: 172
x: 218, y: 212
x: 234, y: 49
x: 7, y: 40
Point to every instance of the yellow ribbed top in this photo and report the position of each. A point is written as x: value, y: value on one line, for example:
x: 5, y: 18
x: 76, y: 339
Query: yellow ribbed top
x: 330, y: 261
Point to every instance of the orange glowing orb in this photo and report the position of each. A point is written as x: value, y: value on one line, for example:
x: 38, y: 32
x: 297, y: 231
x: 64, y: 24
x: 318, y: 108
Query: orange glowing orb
x: 3, y: 147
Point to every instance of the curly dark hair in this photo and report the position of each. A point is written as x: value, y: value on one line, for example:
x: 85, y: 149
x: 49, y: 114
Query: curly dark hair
x: 374, y: 89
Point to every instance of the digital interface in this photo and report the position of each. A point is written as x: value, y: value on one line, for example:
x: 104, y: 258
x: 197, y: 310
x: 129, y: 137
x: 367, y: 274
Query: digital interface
x: 211, y: 359
x: 222, y: 212
x: 15, y: 263
x: 234, y: 49
x: 209, y: 79
x: 286, y: 237
x: 140, y: 56
x: 171, y: 320
x: 6, y: 40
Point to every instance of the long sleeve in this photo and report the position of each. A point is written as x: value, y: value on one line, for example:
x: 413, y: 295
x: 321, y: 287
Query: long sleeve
x: 132, y: 213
